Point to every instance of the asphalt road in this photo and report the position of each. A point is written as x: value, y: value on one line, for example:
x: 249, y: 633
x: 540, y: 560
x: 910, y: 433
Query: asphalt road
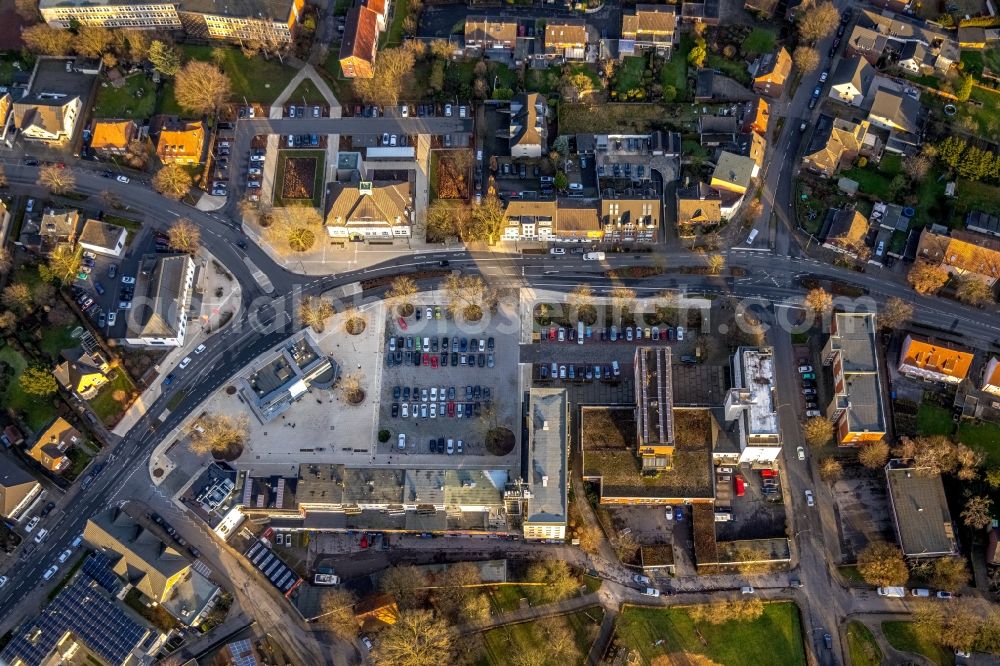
x: 772, y: 278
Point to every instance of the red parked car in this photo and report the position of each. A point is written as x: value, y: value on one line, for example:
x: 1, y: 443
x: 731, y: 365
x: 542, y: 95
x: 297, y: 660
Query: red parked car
x: 434, y: 361
x: 427, y: 359
x: 740, y: 487
x: 402, y: 323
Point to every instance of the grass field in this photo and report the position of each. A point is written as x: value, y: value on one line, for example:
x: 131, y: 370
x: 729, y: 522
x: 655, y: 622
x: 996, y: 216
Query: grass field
x: 871, y: 180
x: 38, y: 411
x: 972, y: 195
x: 257, y: 79
x: 80, y: 459
x: 543, y: 81
x: 393, y: 36
x: 674, y: 71
x: 629, y: 74
x: 307, y: 90
x: 122, y: 102
x: 104, y: 405
x: 984, y: 437
x: 502, y: 643
x: 317, y: 197
x: 862, y: 645
x: 57, y: 338
x: 904, y: 637
x: 934, y: 420
x: 761, y: 40
x: 580, y: 118
x: 734, y: 69
x: 775, y: 638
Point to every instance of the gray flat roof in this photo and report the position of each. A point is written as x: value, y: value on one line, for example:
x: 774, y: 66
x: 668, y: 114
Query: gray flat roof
x: 920, y: 510
x: 547, y: 441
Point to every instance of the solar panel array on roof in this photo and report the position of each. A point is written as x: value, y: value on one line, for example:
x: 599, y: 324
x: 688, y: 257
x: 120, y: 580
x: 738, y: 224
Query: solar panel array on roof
x: 274, y: 569
x: 241, y: 653
x: 98, y: 567
x: 80, y: 608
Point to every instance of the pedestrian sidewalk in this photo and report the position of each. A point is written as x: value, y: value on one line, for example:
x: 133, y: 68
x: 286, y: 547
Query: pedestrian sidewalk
x: 307, y: 71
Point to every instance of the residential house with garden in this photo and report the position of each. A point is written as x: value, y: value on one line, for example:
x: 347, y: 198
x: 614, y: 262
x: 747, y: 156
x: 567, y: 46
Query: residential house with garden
x: 566, y: 39
x: 51, y: 447
x: 47, y: 118
x: 972, y: 38
x: 103, y: 238
x: 925, y: 359
x: 850, y: 82
x: 111, y: 137
x: 900, y: 114
x: 771, y: 73
x: 756, y: 116
x: 82, y: 372
x: 846, y: 231
x: 54, y: 228
x: 648, y: 28
x: 851, y: 354
x: 836, y: 143
x: 877, y: 34
x: 698, y: 207
x: 163, y: 296
x: 528, y: 129
x: 963, y: 253
x: 734, y: 173
x: 181, y: 142
x: 490, y: 37
x: 379, y: 210
x: 750, y: 144
x: 18, y: 490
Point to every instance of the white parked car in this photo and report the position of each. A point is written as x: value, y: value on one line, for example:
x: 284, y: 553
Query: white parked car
x: 63, y: 556
x: 401, y: 441
x: 367, y: 642
x: 405, y: 410
x: 50, y: 572
x: 805, y: 368
x: 199, y: 349
x: 557, y: 250
x: 651, y: 592
x: 185, y: 362
x: 3, y: 580
x: 639, y: 578
x: 112, y: 318
x: 668, y: 512
x: 128, y: 279
x: 31, y: 524
x: 809, y: 498
x: 801, y: 453
x: 447, y: 110
x: 40, y: 537
x: 746, y: 589
x: 122, y: 179
x: 680, y: 334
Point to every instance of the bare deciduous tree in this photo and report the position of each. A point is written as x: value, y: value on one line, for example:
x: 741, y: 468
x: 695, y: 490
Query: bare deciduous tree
x: 314, y: 311
x: 895, y: 314
x: 221, y: 435
x: 56, y: 179
x: 881, y: 564
x: 817, y: 430
x: 172, y: 181
x: 202, y: 87
x: 184, y: 236
x: 338, y: 613
x: 43, y: 40
x: 416, y: 639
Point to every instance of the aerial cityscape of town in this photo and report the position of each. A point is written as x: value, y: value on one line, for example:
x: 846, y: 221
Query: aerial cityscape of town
x: 618, y: 334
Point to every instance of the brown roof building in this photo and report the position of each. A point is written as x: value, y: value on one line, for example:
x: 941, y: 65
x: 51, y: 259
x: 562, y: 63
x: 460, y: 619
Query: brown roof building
x: 836, y: 147
x: 485, y: 34
x: 848, y: 229
x: 630, y: 218
x: 181, y: 143
x: 698, y: 206
x: 357, y: 50
x: 17, y: 490
x: 113, y: 136
x: 649, y: 27
x: 931, y: 361
x: 370, y: 210
x: 773, y: 71
x: 566, y: 38
x: 757, y: 117
x: 963, y: 253
x: 52, y: 445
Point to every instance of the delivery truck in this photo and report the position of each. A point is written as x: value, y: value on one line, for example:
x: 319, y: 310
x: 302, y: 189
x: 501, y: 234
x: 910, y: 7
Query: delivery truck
x: 594, y: 256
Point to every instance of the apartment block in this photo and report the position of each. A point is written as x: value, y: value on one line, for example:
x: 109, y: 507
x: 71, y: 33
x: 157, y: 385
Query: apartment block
x: 753, y: 404
x: 654, y: 407
x: 857, y: 409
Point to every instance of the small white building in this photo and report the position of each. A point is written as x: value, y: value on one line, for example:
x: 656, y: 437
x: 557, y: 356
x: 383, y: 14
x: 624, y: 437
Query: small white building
x: 103, y: 238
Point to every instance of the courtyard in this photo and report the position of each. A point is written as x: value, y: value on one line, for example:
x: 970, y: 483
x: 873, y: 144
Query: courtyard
x: 299, y: 178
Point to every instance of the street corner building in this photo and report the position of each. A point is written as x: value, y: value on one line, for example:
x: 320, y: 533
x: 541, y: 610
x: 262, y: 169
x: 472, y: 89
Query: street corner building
x: 163, y: 293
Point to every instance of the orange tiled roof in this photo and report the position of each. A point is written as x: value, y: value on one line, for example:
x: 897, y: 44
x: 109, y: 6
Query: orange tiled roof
x: 757, y: 118
x: 963, y: 251
x: 935, y: 358
x: 185, y: 142
x: 112, y: 134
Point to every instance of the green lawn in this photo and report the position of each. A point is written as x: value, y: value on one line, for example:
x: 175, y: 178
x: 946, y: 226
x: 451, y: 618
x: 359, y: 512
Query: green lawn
x: 904, y: 637
x: 871, y: 180
x: 122, y: 102
x: 972, y: 195
x: 104, y: 405
x: 393, y: 36
x: 257, y: 79
x: 507, y: 598
x: 761, y: 40
x: 934, y: 420
x: 307, y: 90
x: 80, y: 459
x: 932, y: 205
x: 862, y: 645
x: 629, y: 74
x: 851, y: 574
x: 542, y: 81
x: 775, y: 638
x: 734, y: 69
x: 504, y: 75
x: 341, y: 86
x: 55, y: 339
x: 984, y: 437
x: 581, y: 118
x: 38, y: 411
x: 502, y: 643
x: 674, y: 71
x: 130, y: 224
x: 974, y: 61
x: 318, y: 173
x: 167, y: 103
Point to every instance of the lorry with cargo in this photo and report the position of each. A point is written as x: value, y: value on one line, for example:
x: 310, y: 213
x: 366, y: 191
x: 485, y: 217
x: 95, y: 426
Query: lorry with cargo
x: 594, y: 256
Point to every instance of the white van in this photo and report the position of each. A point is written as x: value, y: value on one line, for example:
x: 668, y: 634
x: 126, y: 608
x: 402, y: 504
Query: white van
x: 580, y: 330
x: 753, y: 236
x: 291, y: 140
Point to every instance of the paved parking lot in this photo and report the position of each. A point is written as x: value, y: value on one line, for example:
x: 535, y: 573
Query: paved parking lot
x: 501, y: 381
x: 754, y: 515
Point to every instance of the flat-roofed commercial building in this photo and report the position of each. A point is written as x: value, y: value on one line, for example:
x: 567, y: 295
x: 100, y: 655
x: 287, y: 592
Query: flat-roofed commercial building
x: 919, y: 511
x: 548, y: 442
x: 752, y: 402
x: 654, y: 407
x: 857, y: 409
